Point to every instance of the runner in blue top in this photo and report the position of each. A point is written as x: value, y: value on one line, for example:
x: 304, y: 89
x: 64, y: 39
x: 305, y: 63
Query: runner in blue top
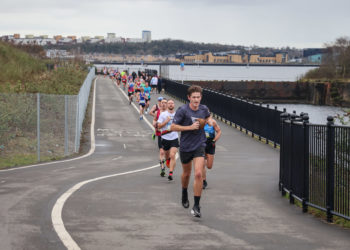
x: 212, y: 133
x: 142, y: 102
x: 148, y: 96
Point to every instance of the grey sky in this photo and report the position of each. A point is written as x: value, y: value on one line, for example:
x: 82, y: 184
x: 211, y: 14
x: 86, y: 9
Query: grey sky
x: 274, y: 23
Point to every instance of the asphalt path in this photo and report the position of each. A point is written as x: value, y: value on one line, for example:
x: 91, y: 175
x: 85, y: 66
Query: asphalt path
x: 105, y: 204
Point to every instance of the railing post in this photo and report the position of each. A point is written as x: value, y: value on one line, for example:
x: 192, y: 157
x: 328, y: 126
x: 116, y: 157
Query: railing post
x: 305, y: 197
x: 330, y: 168
x: 283, y: 117
x: 291, y: 197
x: 274, y: 143
x: 267, y: 139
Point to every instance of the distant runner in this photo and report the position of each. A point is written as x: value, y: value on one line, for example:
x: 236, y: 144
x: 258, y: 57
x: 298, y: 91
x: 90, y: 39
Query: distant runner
x: 142, y: 102
x: 130, y: 91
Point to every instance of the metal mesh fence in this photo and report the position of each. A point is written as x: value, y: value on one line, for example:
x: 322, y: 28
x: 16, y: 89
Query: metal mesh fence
x: 41, y: 127
x: 18, y: 127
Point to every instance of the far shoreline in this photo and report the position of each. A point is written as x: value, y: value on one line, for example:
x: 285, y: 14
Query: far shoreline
x: 206, y: 64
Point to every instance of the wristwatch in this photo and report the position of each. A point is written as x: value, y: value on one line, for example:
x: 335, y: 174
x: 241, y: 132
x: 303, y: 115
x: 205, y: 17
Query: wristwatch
x: 213, y: 141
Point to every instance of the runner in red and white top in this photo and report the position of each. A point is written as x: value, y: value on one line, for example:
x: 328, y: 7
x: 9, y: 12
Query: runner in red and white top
x: 170, y: 141
x: 162, y: 107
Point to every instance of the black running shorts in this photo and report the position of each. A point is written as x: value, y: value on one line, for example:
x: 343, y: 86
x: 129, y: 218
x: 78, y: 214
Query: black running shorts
x: 170, y: 144
x: 186, y: 157
x: 130, y: 93
x: 210, y: 149
x: 160, y: 142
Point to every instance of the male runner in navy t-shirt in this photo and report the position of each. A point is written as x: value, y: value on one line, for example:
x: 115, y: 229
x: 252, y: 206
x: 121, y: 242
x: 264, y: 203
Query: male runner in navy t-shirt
x: 192, y: 144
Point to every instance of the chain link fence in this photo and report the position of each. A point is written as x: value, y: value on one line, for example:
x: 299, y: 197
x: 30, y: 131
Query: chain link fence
x: 41, y: 127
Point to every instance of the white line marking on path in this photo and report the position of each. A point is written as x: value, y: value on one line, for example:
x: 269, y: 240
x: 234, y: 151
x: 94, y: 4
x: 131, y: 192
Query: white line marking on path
x: 124, y: 146
x: 56, y: 214
x: 61, y: 169
x: 117, y: 158
x: 92, y: 149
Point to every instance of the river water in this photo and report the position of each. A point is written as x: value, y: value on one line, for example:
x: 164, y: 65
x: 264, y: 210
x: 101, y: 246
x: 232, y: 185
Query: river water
x: 317, y: 114
x: 224, y: 73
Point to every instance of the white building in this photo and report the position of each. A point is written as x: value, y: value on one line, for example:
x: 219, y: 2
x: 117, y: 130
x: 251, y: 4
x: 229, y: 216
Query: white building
x: 110, y: 35
x: 36, y: 41
x: 114, y: 40
x: 146, y: 36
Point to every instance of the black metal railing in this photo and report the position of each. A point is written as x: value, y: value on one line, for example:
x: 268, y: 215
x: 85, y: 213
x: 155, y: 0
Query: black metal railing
x: 315, y: 164
x: 261, y: 121
x: 314, y: 159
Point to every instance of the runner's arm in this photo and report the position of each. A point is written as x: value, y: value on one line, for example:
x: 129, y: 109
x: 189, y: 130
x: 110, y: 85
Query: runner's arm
x: 152, y: 111
x: 217, y: 130
x: 176, y: 127
x: 155, y: 122
x: 162, y: 124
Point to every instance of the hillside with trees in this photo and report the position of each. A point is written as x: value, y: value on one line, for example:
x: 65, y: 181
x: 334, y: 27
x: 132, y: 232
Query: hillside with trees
x: 164, y: 48
x: 335, y: 62
x: 24, y: 70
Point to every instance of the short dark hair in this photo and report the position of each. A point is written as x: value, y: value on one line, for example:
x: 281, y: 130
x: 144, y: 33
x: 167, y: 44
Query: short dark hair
x: 193, y: 89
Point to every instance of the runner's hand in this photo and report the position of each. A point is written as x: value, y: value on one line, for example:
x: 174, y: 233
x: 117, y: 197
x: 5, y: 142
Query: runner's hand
x: 195, y: 125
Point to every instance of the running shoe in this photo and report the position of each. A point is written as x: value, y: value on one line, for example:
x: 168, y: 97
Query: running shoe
x: 153, y: 136
x: 196, y: 211
x: 162, y: 172
x: 170, y: 177
x: 141, y: 117
x: 205, y: 184
x: 185, y: 201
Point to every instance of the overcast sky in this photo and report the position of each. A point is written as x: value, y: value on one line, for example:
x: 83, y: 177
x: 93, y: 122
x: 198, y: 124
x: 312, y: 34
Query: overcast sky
x: 272, y: 23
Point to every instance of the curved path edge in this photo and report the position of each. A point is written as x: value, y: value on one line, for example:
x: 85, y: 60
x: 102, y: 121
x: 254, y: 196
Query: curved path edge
x: 56, y: 214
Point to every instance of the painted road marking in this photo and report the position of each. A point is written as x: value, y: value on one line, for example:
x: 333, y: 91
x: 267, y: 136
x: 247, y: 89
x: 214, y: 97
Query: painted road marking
x: 117, y: 158
x: 56, y: 214
x: 62, y: 169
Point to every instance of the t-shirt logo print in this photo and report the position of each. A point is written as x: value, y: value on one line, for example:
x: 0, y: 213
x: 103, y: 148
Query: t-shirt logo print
x: 194, y: 119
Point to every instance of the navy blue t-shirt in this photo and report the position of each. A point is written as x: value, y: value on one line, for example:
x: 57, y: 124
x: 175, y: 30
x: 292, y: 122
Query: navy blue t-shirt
x: 185, y: 116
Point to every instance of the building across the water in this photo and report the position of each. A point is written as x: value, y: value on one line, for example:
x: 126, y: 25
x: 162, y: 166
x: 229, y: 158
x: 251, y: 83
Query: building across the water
x: 314, y: 55
x: 234, y: 57
x: 146, y: 36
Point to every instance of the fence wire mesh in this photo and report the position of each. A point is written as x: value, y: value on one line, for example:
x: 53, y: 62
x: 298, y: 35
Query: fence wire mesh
x: 41, y: 127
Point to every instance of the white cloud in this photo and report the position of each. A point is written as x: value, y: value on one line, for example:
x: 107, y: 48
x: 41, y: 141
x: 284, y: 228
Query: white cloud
x: 242, y: 22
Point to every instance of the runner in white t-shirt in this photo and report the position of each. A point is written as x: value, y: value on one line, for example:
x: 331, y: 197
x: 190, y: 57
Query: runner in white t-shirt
x: 170, y: 140
x: 154, y: 83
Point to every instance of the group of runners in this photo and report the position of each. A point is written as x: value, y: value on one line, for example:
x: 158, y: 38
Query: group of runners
x: 199, y: 134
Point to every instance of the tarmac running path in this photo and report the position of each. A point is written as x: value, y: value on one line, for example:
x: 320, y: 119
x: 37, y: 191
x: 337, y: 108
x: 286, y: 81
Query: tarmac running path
x: 241, y: 209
